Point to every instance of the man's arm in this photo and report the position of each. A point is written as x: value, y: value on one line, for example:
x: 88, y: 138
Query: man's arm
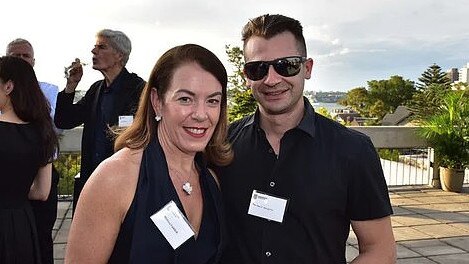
x: 67, y: 114
x: 376, y: 242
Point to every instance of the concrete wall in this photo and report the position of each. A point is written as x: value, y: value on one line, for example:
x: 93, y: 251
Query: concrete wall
x: 381, y: 136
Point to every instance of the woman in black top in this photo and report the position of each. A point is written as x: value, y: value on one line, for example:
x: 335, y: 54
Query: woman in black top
x: 28, y: 143
x: 160, y: 167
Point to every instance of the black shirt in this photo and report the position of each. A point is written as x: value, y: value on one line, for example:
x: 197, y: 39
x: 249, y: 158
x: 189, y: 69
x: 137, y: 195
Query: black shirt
x: 330, y: 175
x: 103, y: 134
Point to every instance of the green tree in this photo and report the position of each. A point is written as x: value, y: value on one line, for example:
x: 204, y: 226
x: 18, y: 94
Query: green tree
x: 240, y: 99
x: 387, y: 95
x: 324, y: 112
x: 433, y: 75
x: 432, y: 87
x: 381, y: 97
x: 357, y: 99
x: 461, y: 86
x: 427, y: 101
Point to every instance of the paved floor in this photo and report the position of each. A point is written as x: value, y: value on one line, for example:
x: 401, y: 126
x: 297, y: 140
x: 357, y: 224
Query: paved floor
x: 430, y: 226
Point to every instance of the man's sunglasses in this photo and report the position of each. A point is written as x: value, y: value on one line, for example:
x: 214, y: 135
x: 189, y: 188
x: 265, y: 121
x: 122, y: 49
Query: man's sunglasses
x: 287, y: 67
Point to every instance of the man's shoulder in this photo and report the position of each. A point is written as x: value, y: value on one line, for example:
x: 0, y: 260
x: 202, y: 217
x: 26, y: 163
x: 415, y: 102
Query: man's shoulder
x: 134, y: 79
x: 45, y: 86
x: 236, y: 126
x: 334, y: 132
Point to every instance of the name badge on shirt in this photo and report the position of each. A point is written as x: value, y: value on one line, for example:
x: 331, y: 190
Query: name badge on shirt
x: 173, y: 224
x: 267, y: 206
x: 125, y: 121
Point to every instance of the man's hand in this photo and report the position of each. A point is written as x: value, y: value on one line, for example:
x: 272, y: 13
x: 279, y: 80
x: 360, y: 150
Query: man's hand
x: 73, y: 73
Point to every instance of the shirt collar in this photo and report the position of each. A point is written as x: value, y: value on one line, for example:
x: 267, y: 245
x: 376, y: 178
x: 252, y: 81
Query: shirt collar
x: 115, y: 85
x: 307, y: 123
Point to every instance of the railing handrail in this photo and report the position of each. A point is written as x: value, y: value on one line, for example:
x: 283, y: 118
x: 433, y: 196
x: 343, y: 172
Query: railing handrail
x: 381, y: 136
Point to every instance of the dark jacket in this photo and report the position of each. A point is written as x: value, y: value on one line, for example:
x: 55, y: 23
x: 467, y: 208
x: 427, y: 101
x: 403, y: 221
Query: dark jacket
x: 69, y: 115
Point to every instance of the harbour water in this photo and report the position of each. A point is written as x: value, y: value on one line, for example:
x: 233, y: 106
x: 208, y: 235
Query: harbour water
x: 328, y: 106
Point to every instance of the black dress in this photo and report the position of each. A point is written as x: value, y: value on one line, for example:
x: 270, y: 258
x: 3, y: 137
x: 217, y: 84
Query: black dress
x: 20, y: 150
x: 140, y: 241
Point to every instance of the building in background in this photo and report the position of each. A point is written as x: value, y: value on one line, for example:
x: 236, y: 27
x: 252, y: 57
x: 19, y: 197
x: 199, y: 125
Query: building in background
x: 464, y: 74
x: 453, y: 74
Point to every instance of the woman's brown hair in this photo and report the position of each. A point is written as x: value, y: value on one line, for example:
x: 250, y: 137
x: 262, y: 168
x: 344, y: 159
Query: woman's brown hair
x: 138, y: 135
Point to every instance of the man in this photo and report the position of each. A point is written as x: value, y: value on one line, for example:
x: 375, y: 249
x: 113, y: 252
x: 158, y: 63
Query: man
x: 45, y: 213
x: 298, y: 180
x: 108, y: 104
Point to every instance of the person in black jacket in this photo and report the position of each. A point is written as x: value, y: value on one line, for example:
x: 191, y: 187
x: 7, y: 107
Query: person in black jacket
x: 108, y: 104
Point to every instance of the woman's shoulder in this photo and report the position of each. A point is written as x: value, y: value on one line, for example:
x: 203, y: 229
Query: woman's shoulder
x: 122, y: 163
x: 115, y: 179
x: 117, y: 171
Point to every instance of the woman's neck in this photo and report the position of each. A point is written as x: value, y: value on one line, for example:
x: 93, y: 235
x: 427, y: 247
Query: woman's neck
x: 176, y: 159
x: 9, y: 115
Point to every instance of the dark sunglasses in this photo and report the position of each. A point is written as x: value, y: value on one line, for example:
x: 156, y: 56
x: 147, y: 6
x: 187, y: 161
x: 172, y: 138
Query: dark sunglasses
x: 287, y: 67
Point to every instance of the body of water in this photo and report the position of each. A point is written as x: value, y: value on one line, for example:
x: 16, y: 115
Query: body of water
x: 328, y: 106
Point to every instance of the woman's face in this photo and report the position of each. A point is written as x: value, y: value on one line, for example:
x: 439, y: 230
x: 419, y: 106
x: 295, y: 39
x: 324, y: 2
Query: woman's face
x: 190, y: 109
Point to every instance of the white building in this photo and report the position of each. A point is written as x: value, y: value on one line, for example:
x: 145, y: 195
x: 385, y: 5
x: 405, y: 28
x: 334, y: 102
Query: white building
x: 464, y: 74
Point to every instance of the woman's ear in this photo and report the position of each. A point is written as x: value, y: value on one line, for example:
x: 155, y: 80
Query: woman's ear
x: 8, y: 87
x: 155, y: 101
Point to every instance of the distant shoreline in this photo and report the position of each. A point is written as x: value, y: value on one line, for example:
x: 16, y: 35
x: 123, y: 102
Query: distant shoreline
x: 329, y: 106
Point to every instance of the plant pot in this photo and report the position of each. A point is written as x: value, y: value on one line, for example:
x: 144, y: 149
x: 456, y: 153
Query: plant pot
x: 451, y: 179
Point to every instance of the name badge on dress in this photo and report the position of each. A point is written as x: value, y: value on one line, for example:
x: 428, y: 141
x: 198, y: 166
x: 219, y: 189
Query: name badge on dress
x: 125, y: 121
x: 173, y: 224
x: 267, y: 206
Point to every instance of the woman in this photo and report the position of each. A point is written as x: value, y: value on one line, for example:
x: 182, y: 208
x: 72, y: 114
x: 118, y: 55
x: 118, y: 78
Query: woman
x: 179, y: 127
x: 28, y: 143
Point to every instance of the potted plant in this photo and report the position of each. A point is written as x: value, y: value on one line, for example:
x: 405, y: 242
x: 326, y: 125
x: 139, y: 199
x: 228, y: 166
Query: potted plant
x: 447, y: 132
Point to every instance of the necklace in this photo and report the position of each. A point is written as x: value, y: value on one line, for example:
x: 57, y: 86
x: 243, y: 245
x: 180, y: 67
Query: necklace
x: 186, y: 186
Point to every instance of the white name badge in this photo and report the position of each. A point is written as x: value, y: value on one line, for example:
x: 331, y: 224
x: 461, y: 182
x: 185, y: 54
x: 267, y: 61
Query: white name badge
x: 173, y: 224
x: 267, y: 206
x: 125, y: 121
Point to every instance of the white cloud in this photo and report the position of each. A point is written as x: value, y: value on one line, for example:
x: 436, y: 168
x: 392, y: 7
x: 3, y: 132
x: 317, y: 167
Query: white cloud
x: 351, y: 41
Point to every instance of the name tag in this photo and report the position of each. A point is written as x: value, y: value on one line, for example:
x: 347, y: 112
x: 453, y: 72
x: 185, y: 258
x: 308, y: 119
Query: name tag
x: 267, y: 206
x: 173, y: 224
x: 125, y: 121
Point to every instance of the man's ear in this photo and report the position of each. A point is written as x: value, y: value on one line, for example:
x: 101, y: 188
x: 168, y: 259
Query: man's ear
x: 309, y: 68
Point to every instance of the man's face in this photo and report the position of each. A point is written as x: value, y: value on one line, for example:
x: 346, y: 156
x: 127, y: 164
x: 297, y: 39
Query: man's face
x: 22, y: 50
x: 105, y: 57
x: 275, y: 93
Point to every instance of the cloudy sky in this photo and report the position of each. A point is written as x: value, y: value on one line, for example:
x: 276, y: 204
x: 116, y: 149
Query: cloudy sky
x: 351, y: 41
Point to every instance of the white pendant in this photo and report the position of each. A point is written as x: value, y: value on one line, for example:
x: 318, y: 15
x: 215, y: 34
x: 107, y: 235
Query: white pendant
x: 187, y: 187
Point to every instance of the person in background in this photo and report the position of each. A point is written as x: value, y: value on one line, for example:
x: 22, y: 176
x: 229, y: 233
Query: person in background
x: 28, y: 145
x: 298, y: 180
x: 159, y: 171
x: 108, y: 104
x: 45, y: 212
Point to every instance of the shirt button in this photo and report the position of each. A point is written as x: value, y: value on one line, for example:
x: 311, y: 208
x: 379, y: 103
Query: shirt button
x: 272, y: 184
x: 268, y: 254
x: 271, y: 151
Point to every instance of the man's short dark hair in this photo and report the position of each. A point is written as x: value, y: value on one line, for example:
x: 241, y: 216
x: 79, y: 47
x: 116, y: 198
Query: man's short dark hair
x: 268, y: 26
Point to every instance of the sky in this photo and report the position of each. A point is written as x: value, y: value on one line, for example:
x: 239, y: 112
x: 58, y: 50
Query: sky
x: 350, y: 41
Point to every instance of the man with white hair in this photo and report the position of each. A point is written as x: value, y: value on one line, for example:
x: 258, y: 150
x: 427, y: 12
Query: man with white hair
x: 108, y: 103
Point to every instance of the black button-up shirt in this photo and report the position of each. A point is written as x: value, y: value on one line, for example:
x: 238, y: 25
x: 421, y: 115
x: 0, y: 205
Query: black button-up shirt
x: 329, y: 174
x: 103, y: 134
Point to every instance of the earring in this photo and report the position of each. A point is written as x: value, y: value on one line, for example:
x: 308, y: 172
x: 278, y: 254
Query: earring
x: 158, y: 117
